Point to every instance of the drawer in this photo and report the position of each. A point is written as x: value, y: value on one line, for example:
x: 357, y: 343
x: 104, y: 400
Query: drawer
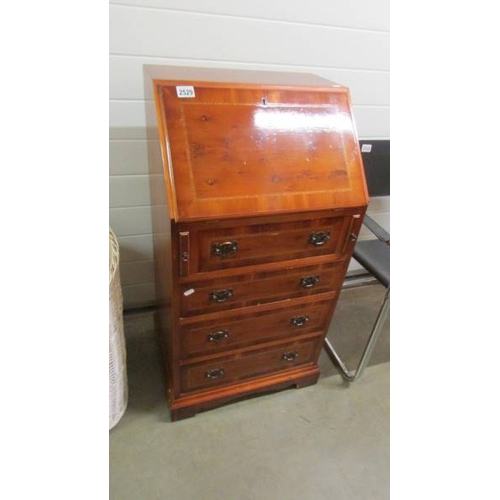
x: 249, y: 364
x: 212, y: 249
x: 199, y: 297
x: 243, y: 330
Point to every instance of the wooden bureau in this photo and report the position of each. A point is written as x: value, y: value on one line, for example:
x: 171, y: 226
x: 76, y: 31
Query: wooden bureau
x: 257, y: 204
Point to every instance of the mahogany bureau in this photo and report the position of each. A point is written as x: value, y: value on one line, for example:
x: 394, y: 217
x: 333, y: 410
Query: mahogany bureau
x: 257, y: 205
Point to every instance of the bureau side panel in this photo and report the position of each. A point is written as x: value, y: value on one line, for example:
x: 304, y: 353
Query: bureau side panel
x: 162, y: 216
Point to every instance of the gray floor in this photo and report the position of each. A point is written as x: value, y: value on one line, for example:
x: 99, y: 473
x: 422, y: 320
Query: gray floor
x: 327, y: 441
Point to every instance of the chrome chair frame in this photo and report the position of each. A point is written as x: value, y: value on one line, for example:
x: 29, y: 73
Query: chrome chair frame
x: 373, y: 255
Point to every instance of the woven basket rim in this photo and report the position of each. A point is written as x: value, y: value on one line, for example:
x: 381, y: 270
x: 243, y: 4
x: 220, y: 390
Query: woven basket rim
x: 114, y: 255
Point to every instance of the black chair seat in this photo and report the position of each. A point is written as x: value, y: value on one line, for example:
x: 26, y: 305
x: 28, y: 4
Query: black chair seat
x: 374, y: 256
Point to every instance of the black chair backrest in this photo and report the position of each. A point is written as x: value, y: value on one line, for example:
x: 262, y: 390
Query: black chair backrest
x: 377, y: 160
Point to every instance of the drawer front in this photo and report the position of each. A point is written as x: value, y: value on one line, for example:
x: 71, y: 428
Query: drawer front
x: 250, y: 364
x: 231, y: 247
x: 243, y: 330
x: 260, y: 288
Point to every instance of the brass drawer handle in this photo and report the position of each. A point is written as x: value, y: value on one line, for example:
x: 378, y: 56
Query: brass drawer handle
x: 224, y: 249
x: 290, y: 356
x: 319, y: 238
x: 300, y: 320
x: 309, y: 281
x: 215, y: 373
x: 218, y: 336
x: 221, y: 295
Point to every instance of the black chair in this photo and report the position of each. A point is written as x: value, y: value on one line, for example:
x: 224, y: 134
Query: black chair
x: 374, y: 256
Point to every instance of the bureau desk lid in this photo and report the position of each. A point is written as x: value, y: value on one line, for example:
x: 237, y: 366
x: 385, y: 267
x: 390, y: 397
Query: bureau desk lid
x: 236, y: 149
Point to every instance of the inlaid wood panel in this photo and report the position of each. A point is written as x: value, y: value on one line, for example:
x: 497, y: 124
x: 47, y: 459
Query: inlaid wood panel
x: 260, y: 243
x: 241, y: 290
x: 248, y: 364
x: 255, y: 149
x: 217, y: 336
x: 219, y: 246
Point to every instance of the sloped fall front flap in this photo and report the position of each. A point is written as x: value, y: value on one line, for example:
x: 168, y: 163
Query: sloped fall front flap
x: 231, y: 151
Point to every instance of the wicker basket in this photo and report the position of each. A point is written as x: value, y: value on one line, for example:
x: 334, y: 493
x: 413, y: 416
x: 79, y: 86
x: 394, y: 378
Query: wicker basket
x: 118, y: 388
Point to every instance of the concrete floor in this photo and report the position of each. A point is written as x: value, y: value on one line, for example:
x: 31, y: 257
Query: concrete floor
x: 327, y: 441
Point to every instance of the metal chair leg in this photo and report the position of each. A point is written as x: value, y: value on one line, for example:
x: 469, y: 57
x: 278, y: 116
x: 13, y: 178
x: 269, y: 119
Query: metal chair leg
x: 351, y: 376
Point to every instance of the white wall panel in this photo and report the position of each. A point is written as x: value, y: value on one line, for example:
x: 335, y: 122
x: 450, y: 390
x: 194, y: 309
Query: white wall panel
x: 366, y: 86
x: 372, y: 122
x: 362, y: 14
x: 379, y: 204
x: 383, y: 219
x: 138, y: 272
x: 129, y: 191
x: 156, y: 32
x: 346, y: 42
x: 134, y: 248
x: 130, y: 220
x: 127, y: 120
x: 130, y: 157
x: 143, y: 294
